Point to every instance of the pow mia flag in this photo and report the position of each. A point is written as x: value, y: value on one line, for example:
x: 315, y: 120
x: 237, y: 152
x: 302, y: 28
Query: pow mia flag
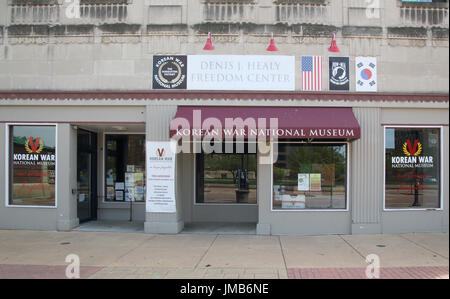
x: 339, y: 73
x: 169, y: 72
x: 366, y: 74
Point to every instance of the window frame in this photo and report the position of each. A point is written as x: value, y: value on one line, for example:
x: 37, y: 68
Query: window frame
x: 223, y: 204
x: 103, y: 176
x: 347, y: 183
x: 441, y: 170
x: 7, y: 164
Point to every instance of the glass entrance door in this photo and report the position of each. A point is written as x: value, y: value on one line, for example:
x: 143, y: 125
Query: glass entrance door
x: 87, y: 176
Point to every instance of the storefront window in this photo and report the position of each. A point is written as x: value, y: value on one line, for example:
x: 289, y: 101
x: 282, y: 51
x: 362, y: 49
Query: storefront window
x: 125, y: 168
x: 412, y: 178
x: 310, y: 176
x: 226, y: 178
x: 32, y: 164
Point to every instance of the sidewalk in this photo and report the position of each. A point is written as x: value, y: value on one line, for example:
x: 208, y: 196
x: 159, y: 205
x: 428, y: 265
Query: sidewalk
x: 38, y: 254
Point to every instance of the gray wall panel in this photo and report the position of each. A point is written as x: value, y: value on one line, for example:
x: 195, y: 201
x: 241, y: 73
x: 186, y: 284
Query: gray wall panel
x: 66, y: 177
x: 366, y: 169
x: 90, y: 114
x: 157, y: 129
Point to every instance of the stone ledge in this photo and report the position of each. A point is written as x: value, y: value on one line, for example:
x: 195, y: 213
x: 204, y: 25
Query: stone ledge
x: 314, y: 29
x: 439, y: 32
x: 362, y: 31
x: 253, y: 28
x: 120, y: 28
x: 415, y: 32
x: 27, y: 30
x: 218, y: 28
x: 61, y: 30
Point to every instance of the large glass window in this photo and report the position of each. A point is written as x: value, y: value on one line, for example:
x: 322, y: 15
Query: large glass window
x: 310, y: 176
x: 125, y: 168
x: 412, y: 164
x: 32, y: 164
x: 226, y: 178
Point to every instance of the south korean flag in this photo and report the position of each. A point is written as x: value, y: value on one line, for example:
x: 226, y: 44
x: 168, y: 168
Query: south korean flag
x: 366, y: 74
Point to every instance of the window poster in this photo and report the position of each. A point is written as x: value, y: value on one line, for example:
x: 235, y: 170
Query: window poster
x: 315, y: 182
x: 129, y: 179
x: 303, y: 182
x: 129, y: 194
x: 32, y: 176
x: 139, y: 179
x: 139, y: 193
x: 119, y: 195
x: 412, y: 168
x: 110, y: 193
x: 160, y: 178
x: 109, y: 181
x: 120, y: 185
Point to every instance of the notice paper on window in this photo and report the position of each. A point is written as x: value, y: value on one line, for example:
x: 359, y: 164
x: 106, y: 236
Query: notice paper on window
x: 303, y: 182
x: 119, y: 195
x: 120, y: 185
x: 129, y: 179
x: 110, y: 193
x: 315, y: 183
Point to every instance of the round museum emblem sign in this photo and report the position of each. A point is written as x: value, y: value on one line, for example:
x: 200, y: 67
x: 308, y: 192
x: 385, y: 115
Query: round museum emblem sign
x: 169, y: 72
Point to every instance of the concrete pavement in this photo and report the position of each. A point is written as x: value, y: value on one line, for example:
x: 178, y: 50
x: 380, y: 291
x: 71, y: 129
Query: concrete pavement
x: 25, y: 254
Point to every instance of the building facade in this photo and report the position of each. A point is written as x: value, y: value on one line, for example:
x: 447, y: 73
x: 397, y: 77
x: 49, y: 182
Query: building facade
x: 92, y: 91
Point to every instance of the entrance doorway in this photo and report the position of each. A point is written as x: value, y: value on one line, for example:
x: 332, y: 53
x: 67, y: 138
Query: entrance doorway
x: 225, y: 192
x: 86, y: 175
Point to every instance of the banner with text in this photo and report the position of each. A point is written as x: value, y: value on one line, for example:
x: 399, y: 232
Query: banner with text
x: 240, y: 72
x: 160, y: 178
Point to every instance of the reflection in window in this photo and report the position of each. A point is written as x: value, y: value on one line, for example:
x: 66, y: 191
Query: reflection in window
x: 32, y: 164
x: 125, y: 168
x: 226, y: 178
x: 310, y: 176
x: 412, y: 166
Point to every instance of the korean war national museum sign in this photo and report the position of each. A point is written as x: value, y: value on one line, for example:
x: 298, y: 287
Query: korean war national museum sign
x: 224, y: 72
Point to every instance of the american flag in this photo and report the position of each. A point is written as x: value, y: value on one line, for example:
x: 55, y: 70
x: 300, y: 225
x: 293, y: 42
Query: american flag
x: 312, y: 73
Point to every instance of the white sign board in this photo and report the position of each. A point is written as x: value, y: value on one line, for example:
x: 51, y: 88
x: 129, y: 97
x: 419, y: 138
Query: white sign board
x: 160, y: 165
x: 240, y: 72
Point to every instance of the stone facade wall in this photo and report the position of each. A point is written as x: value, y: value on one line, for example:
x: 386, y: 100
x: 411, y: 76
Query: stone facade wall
x: 110, y: 45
